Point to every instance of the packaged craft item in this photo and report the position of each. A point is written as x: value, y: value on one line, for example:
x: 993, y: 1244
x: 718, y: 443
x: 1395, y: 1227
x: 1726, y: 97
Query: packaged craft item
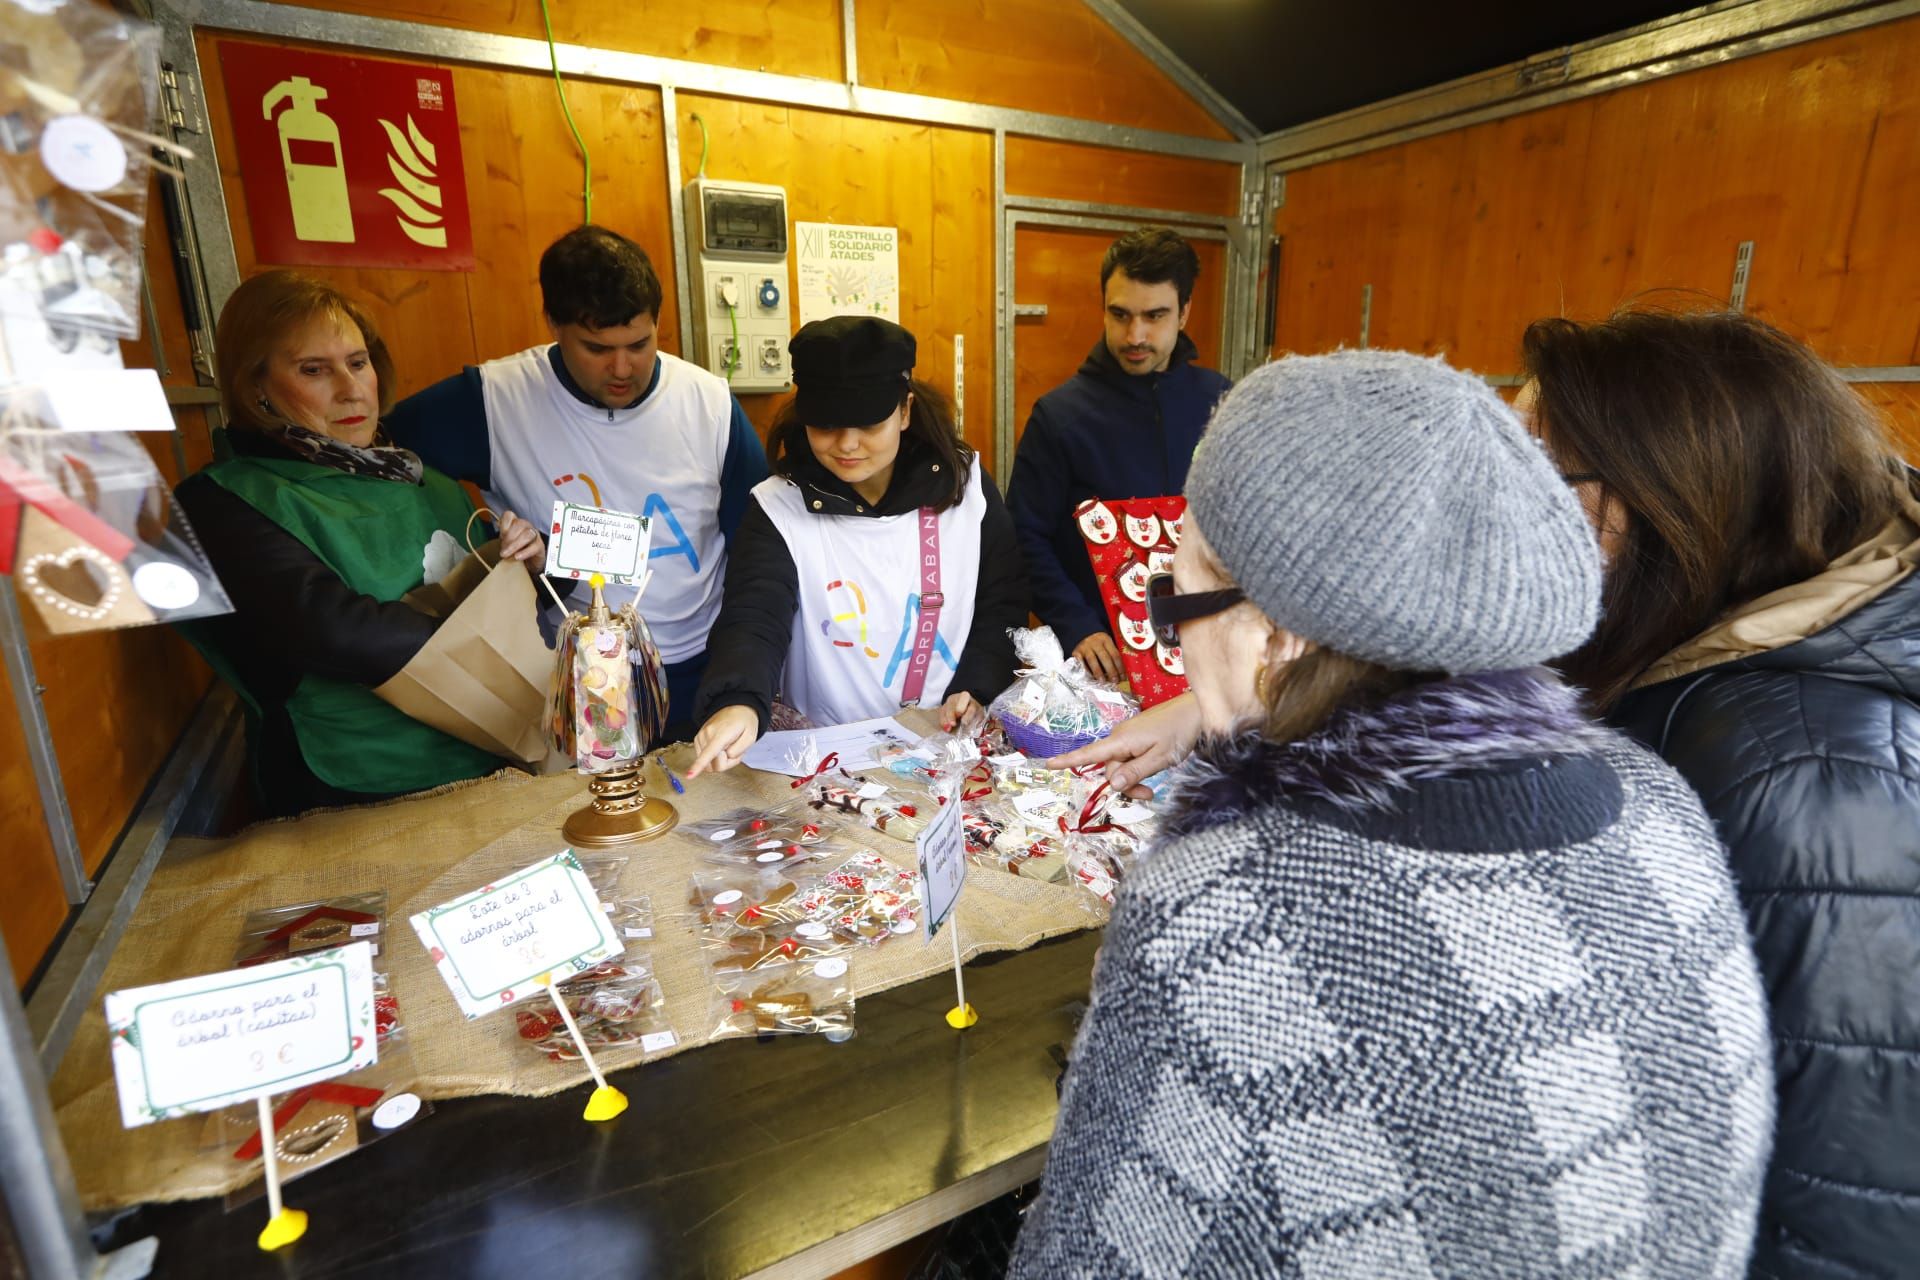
x: 1129, y: 541
x: 609, y: 697
x: 631, y: 918
x: 893, y: 808
x: 787, y: 833
x: 1055, y: 706
x: 1102, y: 838
x: 732, y: 898
x: 277, y: 933
x: 604, y: 872
x: 864, y: 898
x: 616, y: 1005
x: 997, y: 836
x: 815, y: 997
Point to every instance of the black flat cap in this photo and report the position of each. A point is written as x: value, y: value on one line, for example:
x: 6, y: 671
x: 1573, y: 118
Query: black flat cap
x: 850, y: 371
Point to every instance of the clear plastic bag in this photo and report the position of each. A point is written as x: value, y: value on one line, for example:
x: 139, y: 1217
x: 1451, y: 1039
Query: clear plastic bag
x: 616, y: 1005
x: 276, y: 933
x: 1055, y: 706
x: 78, y: 102
x: 864, y: 899
x: 604, y: 872
x: 814, y: 998
x: 727, y: 899
x: 98, y: 540
x: 631, y: 918
x: 892, y: 808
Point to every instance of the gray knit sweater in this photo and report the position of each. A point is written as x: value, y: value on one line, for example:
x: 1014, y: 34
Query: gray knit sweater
x: 1458, y: 987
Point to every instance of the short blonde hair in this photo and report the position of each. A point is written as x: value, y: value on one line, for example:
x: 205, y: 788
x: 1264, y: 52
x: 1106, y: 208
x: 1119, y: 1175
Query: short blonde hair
x: 259, y: 315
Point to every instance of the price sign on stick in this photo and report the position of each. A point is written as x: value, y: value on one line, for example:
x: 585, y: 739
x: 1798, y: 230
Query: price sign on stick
x: 523, y: 936
x: 583, y: 541
x: 943, y: 871
x: 200, y: 1044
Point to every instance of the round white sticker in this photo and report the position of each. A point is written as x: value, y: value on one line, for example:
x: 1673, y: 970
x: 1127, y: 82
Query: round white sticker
x: 903, y: 926
x: 810, y: 929
x: 833, y: 968
x: 727, y: 834
x: 396, y: 1111
x: 772, y: 855
x: 769, y: 844
x: 82, y: 153
x: 165, y: 585
x: 727, y: 897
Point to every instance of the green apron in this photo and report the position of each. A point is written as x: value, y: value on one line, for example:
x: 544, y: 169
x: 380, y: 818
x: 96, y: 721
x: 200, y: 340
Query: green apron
x: 373, y: 533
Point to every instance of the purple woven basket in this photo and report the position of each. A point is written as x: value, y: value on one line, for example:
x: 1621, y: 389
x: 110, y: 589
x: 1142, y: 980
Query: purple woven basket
x: 1038, y: 743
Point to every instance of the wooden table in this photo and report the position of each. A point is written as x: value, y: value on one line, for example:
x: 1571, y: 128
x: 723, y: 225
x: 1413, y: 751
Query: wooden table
x: 788, y: 1157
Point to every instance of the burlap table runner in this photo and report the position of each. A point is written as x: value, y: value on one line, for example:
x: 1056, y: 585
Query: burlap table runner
x: 424, y: 851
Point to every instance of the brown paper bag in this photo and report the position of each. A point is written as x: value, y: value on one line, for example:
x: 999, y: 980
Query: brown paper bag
x: 483, y: 677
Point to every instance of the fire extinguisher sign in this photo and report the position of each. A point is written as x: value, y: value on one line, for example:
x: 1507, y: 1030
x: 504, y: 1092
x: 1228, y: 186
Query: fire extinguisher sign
x: 350, y: 162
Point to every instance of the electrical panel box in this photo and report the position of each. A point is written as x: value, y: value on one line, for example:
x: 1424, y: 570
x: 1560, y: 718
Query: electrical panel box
x: 738, y: 251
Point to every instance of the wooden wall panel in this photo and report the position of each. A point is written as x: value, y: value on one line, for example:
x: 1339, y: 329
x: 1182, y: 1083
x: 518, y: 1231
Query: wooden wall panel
x: 34, y: 905
x: 1060, y: 267
x: 934, y: 184
x: 1104, y: 175
x: 789, y: 37
x: 1056, y: 56
x: 1812, y: 152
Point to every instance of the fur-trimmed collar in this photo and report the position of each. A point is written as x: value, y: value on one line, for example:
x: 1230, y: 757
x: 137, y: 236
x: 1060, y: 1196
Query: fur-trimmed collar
x: 1366, y: 755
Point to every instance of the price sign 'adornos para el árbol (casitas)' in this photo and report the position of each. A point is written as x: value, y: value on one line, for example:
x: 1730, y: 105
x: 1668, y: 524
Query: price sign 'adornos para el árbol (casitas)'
x: 200, y: 1044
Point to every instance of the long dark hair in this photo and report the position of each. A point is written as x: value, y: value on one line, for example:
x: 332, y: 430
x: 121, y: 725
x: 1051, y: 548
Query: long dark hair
x: 1740, y: 462
x: 930, y: 434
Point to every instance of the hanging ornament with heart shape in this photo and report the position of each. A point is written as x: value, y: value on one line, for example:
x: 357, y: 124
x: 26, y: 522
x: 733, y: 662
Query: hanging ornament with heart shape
x: 73, y: 585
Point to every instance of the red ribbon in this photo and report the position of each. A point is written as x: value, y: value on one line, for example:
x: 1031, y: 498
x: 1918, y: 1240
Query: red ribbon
x: 833, y: 758
x: 1086, y: 813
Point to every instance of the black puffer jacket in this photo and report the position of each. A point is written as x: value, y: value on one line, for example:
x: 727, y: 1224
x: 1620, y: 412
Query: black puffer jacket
x: 1808, y: 757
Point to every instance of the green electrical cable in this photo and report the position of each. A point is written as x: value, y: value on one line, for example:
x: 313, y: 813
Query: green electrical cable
x: 586, y: 160
x: 703, y: 145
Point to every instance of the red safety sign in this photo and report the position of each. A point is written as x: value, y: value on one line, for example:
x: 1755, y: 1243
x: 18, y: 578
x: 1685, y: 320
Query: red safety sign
x: 347, y: 161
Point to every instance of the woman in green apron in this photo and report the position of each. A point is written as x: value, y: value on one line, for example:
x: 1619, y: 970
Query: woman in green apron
x: 317, y: 527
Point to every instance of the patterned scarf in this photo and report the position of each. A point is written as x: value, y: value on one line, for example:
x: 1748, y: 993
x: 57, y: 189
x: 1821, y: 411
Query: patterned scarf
x: 379, y: 460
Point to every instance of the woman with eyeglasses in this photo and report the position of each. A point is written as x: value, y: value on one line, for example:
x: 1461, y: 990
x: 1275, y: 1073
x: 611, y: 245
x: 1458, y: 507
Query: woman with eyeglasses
x: 1761, y: 631
x: 1428, y: 974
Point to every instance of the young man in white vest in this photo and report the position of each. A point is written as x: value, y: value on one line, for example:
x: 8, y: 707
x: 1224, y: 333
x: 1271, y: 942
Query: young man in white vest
x: 602, y: 416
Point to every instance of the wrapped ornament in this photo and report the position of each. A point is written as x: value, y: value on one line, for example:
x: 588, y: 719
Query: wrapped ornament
x: 615, y: 1004
x: 609, y: 702
x: 1054, y: 706
x: 892, y: 809
x: 812, y: 997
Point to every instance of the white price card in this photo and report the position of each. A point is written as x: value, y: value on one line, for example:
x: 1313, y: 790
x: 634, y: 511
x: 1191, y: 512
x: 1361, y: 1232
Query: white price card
x: 583, y: 541
x: 502, y: 942
x: 943, y: 865
x: 203, y: 1043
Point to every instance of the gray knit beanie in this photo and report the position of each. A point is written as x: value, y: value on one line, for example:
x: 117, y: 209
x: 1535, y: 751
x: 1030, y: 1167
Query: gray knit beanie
x: 1390, y: 507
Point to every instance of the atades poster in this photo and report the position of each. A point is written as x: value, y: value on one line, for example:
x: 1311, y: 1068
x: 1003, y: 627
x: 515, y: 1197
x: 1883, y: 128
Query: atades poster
x: 348, y: 161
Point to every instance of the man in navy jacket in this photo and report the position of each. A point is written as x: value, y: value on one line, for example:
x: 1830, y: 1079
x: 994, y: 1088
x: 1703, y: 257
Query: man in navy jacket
x: 1124, y: 426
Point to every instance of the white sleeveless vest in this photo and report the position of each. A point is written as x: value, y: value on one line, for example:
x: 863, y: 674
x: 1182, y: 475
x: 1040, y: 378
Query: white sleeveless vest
x: 659, y: 459
x: 859, y: 592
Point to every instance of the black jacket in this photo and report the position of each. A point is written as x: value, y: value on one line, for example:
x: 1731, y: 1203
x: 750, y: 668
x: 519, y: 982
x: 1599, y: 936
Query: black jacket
x: 1103, y: 433
x: 1808, y: 758
x: 748, y: 646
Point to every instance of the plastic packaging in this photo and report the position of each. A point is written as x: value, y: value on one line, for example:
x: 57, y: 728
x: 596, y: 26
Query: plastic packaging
x: 726, y: 899
x: 864, y: 898
x: 891, y: 808
x: 631, y: 918
x: 811, y: 998
x: 616, y: 1004
x: 1055, y: 706
x: 276, y: 933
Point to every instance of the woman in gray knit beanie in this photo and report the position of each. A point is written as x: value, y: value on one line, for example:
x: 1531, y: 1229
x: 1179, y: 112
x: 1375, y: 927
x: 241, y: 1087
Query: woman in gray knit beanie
x: 1429, y: 975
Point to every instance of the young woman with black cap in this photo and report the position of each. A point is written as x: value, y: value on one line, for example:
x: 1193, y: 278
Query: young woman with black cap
x: 875, y: 569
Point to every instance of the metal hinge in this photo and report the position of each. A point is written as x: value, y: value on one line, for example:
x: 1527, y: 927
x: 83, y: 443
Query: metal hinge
x: 1277, y: 190
x: 181, y: 99
x: 1253, y: 208
x: 1742, y: 271
x: 1534, y: 75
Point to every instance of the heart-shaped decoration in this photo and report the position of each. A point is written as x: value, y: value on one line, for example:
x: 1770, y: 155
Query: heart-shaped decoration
x: 81, y: 582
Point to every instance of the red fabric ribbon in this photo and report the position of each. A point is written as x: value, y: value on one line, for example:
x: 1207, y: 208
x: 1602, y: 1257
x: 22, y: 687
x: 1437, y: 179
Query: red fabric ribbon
x: 833, y: 758
x: 1081, y: 827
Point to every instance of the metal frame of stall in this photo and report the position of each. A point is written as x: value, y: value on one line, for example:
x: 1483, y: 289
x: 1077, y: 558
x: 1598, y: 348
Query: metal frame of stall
x: 35, y: 1175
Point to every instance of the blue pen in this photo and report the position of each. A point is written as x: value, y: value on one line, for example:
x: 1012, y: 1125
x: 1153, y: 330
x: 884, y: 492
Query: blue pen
x: 677, y: 785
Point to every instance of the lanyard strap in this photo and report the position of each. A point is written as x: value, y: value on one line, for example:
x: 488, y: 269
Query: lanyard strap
x: 927, y: 625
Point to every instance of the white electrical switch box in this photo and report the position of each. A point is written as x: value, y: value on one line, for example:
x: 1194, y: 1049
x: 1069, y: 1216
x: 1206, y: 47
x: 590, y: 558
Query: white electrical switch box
x: 737, y: 233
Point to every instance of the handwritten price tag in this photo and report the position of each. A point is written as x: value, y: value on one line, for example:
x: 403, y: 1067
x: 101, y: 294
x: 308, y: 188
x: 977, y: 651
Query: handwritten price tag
x: 583, y: 541
x: 500, y: 943
x: 200, y: 1044
x: 943, y: 864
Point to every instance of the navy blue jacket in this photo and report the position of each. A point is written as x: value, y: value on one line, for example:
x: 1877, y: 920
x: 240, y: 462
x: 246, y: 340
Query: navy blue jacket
x: 1808, y: 759
x: 1103, y: 433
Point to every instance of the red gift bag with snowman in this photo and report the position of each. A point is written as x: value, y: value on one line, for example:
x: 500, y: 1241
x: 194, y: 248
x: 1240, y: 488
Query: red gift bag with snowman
x: 1129, y: 540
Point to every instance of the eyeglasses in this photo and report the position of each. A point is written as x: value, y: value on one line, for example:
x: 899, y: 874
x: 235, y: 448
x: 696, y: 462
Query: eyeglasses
x: 1167, y: 608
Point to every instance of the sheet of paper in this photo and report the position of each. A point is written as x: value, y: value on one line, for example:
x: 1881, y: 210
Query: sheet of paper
x: 203, y: 1043
x: 498, y: 944
x: 106, y: 400
x: 943, y: 865
x: 853, y: 743
x: 582, y: 541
